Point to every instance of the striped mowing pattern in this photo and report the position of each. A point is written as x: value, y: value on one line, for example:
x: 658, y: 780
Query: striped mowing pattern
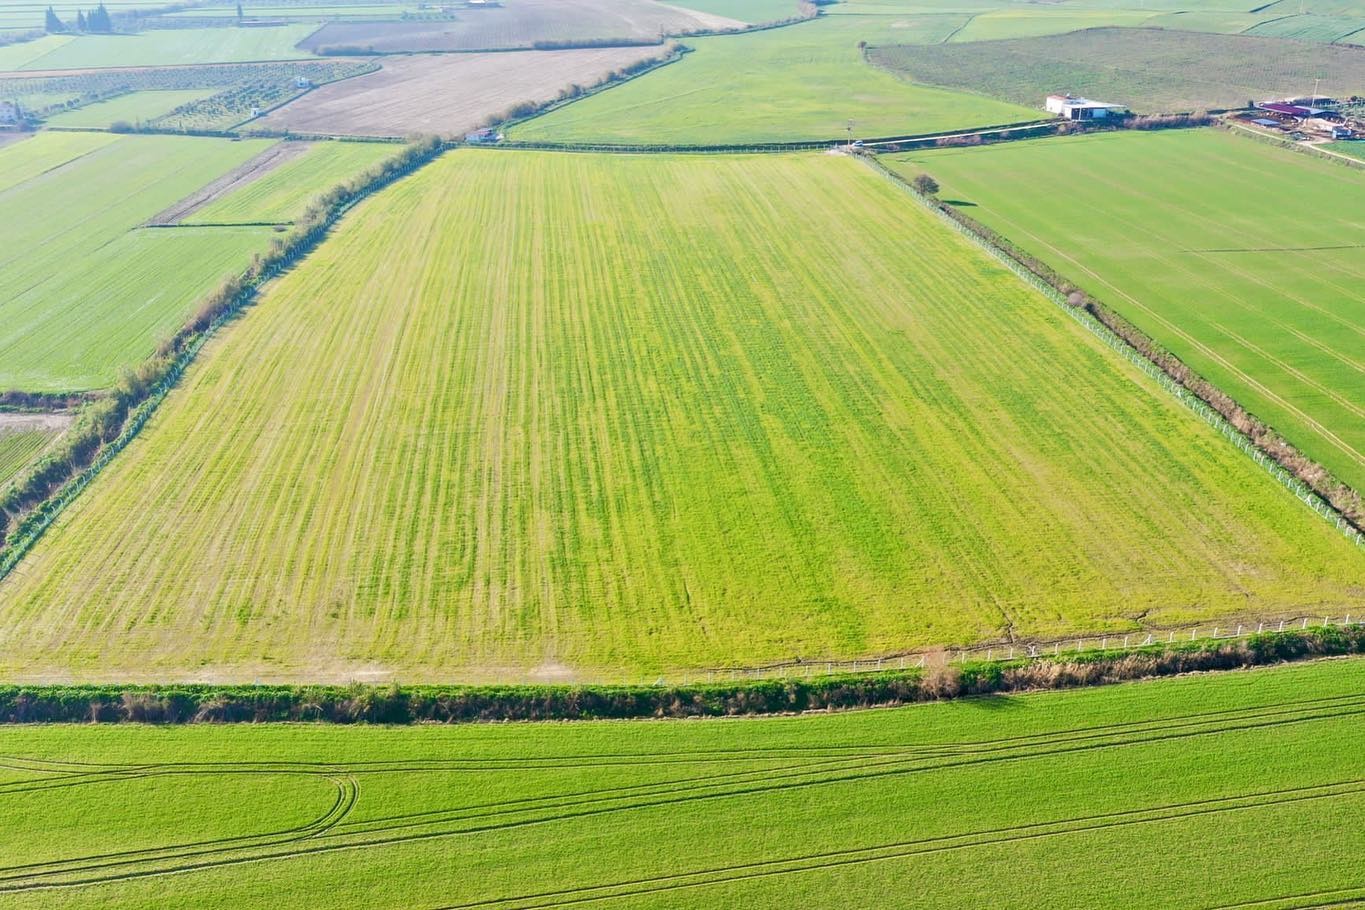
x: 609, y: 415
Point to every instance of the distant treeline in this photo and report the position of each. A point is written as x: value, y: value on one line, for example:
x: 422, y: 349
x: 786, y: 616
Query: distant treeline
x: 28, y: 505
x: 457, y: 704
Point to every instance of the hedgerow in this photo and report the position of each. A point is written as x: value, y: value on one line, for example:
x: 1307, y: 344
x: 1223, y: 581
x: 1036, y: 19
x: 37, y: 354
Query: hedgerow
x: 394, y: 704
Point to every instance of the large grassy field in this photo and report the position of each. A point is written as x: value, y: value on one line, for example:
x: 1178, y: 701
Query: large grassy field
x: 134, y: 108
x: 1234, y: 791
x: 801, y: 418
x: 1312, y: 28
x: 801, y: 82
x: 84, y: 291
x: 157, y: 47
x: 1242, y: 258
x: 31, y: 158
x: 1150, y: 70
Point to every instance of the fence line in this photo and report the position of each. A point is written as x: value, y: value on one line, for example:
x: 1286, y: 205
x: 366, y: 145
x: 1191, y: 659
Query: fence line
x: 791, y: 145
x: 1001, y: 652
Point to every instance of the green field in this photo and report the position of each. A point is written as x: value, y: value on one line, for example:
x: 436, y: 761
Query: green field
x: 1311, y: 28
x: 23, y: 161
x: 1235, y: 791
x: 1150, y: 70
x: 1354, y: 148
x: 134, y: 108
x: 808, y: 420
x: 157, y: 47
x: 16, y: 56
x: 84, y: 291
x: 33, y: 102
x: 284, y: 193
x: 20, y: 447
x: 1200, y: 239
x: 800, y: 82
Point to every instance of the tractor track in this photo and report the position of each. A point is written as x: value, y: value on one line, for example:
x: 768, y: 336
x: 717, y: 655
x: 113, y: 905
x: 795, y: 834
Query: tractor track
x: 801, y: 768
x: 815, y: 862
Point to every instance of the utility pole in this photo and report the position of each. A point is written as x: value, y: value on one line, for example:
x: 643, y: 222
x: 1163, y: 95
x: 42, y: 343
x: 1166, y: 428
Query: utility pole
x: 850, y: 137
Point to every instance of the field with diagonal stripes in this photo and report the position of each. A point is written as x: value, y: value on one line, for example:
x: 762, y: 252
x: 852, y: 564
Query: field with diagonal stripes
x: 1237, y: 791
x: 1243, y: 259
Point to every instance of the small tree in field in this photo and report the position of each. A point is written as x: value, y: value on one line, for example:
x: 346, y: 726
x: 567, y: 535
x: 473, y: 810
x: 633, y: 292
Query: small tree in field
x: 925, y: 184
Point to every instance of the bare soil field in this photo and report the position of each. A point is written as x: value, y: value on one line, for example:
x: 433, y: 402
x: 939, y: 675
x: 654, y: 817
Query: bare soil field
x: 520, y: 24
x: 446, y: 94
x: 49, y: 420
x: 249, y: 172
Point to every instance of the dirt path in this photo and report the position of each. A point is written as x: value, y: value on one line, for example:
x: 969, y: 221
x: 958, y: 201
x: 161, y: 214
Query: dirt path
x: 15, y: 422
x: 252, y: 170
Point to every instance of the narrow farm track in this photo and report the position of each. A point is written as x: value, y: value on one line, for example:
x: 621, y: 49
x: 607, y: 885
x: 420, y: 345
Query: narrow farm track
x: 781, y: 770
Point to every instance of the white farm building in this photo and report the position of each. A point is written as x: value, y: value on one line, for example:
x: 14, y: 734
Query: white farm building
x: 1074, y: 107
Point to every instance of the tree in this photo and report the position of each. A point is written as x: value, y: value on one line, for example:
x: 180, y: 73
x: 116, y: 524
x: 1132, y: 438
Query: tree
x: 98, y: 20
x: 52, y: 23
x: 925, y: 184
x: 80, y: 21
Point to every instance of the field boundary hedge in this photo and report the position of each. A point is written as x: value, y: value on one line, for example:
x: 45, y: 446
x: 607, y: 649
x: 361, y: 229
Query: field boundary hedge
x: 186, y: 704
x: 29, y: 506
x: 1309, y: 481
x: 513, y: 116
x: 792, y: 145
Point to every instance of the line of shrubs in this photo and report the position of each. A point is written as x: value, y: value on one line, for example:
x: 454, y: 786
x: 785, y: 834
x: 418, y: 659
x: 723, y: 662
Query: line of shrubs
x: 102, y: 421
x: 567, y: 44
x: 525, y: 110
x: 16, y: 400
x: 1345, y: 500
x: 455, y: 704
